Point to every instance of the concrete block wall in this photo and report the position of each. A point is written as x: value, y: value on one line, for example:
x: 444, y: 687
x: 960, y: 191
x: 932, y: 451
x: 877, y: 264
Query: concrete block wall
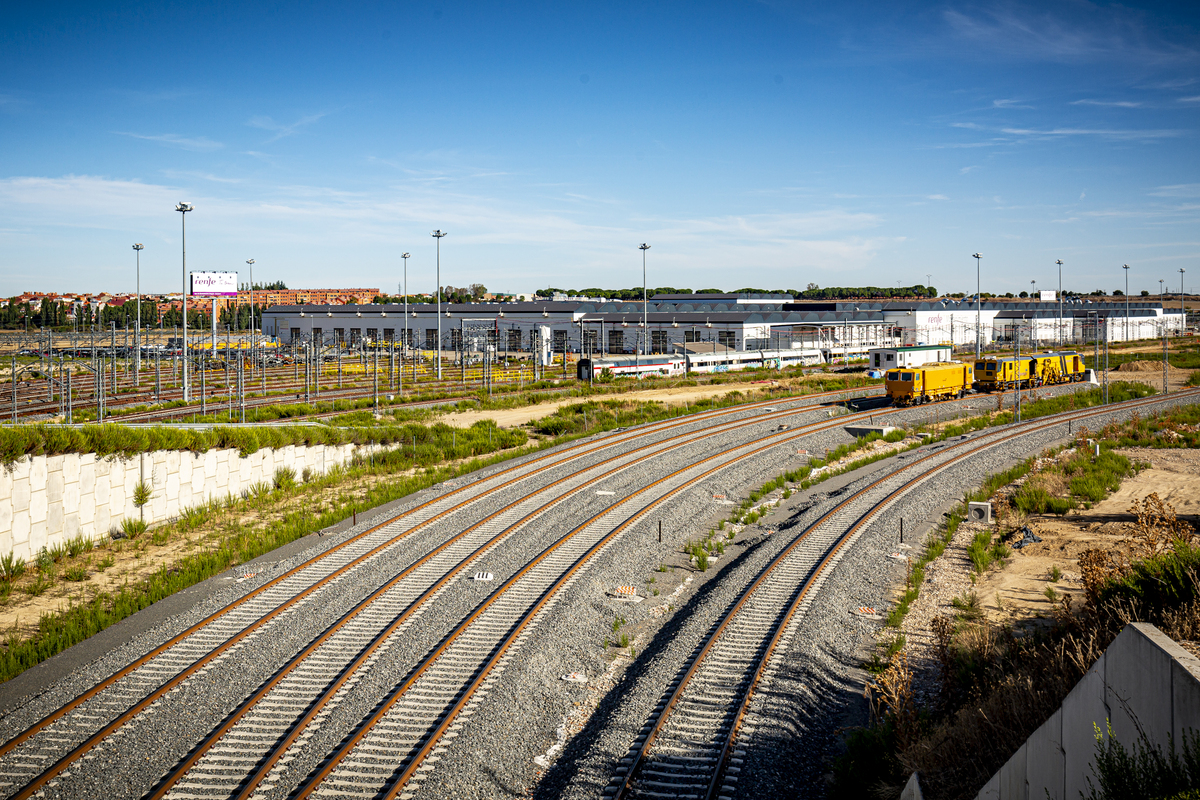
x: 45, y: 500
x: 1143, y: 683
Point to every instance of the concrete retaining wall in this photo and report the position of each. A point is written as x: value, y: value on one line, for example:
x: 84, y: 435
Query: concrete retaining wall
x: 45, y: 500
x: 1144, y: 682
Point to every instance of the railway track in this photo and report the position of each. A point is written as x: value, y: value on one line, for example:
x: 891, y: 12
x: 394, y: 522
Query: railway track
x: 249, y: 751
x: 314, y: 681
x: 689, y: 746
x: 79, y: 726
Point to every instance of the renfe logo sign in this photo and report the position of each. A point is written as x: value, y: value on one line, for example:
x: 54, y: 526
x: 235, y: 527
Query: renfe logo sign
x: 214, y: 284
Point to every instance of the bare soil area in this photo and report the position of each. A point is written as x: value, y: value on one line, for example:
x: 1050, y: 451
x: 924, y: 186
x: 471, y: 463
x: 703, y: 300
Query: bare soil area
x: 1016, y: 594
x: 510, y: 417
x: 1150, y: 373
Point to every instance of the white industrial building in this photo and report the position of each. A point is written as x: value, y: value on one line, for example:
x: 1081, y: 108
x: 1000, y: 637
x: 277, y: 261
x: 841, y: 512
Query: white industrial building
x: 739, y: 321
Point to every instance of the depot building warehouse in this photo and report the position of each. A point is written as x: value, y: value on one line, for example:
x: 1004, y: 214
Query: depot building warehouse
x: 742, y: 322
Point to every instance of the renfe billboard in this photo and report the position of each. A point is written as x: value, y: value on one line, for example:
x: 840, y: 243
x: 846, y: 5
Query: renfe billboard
x: 214, y: 284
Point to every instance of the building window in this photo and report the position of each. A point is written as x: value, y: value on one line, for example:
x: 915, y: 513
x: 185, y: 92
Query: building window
x: 727, y: 338
x: 514, y: 339
x: 658, y: 341
x: 616, y: 341
x: 339, y: 334
x: 372, y: 335
x: 560, y: 341
x: 692, y: 335
x: 295, y: 334
x: 317, y: 335
x: 355, y: 336
x: 389, y: 334
x: 591, y: 341
x: 431, y: 339
x: 456, y: 338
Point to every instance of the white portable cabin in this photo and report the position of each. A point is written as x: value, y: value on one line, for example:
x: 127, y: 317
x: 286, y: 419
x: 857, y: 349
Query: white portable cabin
x: 913, y: 356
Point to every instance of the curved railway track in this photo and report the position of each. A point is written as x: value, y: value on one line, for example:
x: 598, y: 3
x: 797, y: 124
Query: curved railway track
x: 141, y: 684
x: 687, y: 749
x: 249, y: 751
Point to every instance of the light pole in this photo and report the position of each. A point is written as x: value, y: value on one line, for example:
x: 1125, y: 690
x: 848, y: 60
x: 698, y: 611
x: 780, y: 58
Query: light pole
x: 250, y: 263
x: 928, y: 280
x: 1060, y: 327
x: 1182, y: 313
x: 1126, y: 268
x: 978, y: 317
x: 645, y: 318
x: 404, y: 348
x: 438, y: 236
x: 1160, y: 291
x: 183, y: 209
x: 137, y: 331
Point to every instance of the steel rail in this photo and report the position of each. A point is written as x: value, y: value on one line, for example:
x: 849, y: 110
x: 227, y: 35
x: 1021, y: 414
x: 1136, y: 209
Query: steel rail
x: 585, y: 448
x: 976, y: 446
x: 520, y: 626
x: 277, y: 751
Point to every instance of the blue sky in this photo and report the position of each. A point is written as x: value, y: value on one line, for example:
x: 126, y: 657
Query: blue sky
x: 768, y: 144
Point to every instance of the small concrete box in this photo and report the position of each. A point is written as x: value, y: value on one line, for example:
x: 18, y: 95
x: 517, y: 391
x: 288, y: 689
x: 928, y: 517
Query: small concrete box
x: 979, y: 512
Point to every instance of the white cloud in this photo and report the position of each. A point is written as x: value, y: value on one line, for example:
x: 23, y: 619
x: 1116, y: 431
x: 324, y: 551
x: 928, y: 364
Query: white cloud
x: 1100, y: 132
x: 281, y: 130
x: 968, y: 125
x: 308, y: 221
x: 198, y: 143
x: 1008, y: 104
x: 965, y: 170
x: 1107, y: 103
x: 1092, y: 33
x: 1178, y: 190
x: 1194, y: 99
x: 936, y: 197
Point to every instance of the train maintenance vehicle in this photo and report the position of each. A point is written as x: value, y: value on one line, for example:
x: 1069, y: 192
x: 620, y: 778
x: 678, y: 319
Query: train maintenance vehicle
x: 1028, y: 371
x: 928, y: 383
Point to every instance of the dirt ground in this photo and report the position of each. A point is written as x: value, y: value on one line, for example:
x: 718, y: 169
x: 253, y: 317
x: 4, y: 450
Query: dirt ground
x: 510, y: 417
x: 1016, y: 594
x: 1150, y: 372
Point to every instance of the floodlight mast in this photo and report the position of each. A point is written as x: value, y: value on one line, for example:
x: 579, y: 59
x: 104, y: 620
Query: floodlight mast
x: 645, y: 318
x: 137, y: 331
x: 183, y: 209
x: 250, y: 263
x: 404, y: 346
x: 439, y: 235
x: 978, y: 316
x: 1060, y: 317
x: 1126, y: 268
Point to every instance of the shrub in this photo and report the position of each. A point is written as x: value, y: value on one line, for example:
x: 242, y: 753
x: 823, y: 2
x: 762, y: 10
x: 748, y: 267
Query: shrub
x: 133, y: 527
x: 78, y: 544
x: 285, y: 478
x: 11, y: 567
x: 141, y: 494
x: 44, y: 560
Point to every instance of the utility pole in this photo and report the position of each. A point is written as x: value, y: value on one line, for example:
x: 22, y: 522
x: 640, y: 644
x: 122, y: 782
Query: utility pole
x: 978, y: 315
x: 183, y: 209
x: 439, y: 235
x: 1060, y: 316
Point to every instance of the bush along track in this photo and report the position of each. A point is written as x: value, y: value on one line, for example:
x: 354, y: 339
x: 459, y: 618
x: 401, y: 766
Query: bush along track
x: 996, y: 687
